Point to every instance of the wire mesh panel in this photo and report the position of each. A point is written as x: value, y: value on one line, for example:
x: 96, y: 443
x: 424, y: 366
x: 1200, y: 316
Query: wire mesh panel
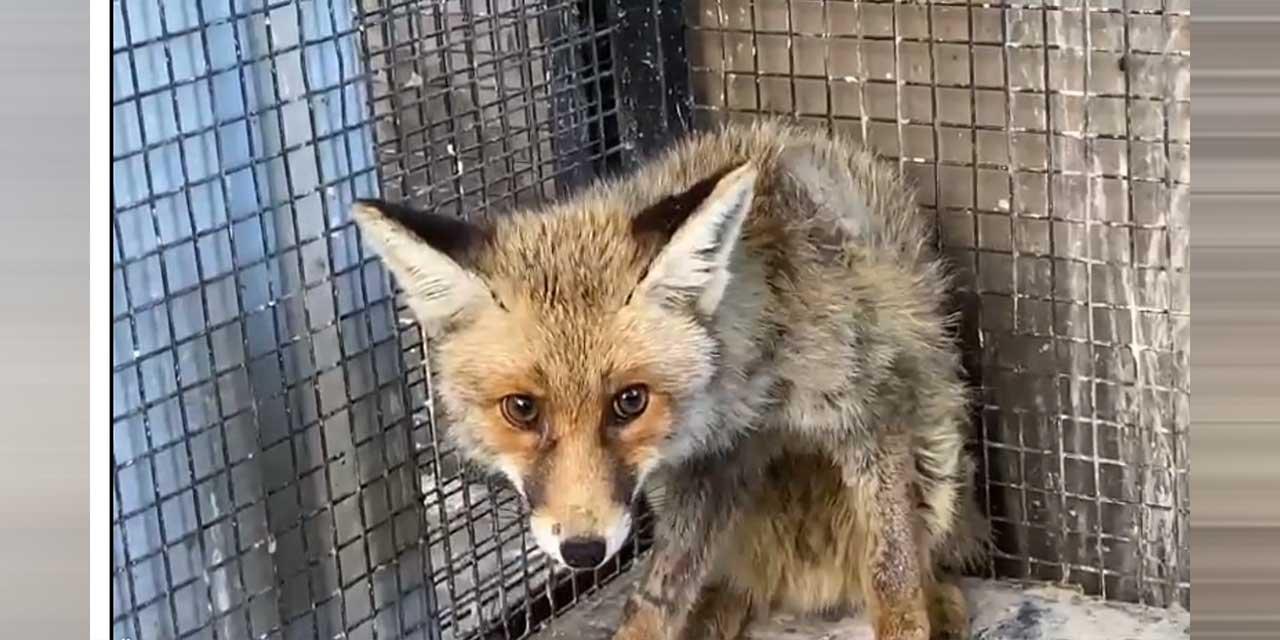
x: 1051, y: 138
x: 264, y: 482
x: 481, y: 106
x: 277, y: 469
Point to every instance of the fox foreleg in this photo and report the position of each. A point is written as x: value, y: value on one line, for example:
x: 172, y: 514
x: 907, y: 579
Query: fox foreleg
x: 897, y: 566
x: 699, y: 503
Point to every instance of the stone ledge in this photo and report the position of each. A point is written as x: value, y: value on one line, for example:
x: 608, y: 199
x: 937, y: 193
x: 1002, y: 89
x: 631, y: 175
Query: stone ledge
x: 1002, y: 611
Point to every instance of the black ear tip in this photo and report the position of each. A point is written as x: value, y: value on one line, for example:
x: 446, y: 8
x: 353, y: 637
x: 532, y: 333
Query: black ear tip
x: 370, y: 203
x: 398, y: 212
x: 451, y: 236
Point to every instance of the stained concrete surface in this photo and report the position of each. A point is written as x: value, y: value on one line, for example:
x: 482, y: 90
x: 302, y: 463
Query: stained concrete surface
x: 1001, y: 611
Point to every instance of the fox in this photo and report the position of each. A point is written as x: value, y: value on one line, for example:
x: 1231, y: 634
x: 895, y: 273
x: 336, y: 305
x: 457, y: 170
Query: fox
x: 750, y: 333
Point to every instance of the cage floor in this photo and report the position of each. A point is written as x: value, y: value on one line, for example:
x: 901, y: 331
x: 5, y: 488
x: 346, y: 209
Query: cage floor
x: 1002, y: 611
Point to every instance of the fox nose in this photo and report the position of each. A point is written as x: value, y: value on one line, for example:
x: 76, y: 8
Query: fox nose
x: 582, y: 553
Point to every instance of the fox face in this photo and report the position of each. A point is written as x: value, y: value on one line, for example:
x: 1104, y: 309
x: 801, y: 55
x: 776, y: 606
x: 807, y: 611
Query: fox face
x: 570, y: 346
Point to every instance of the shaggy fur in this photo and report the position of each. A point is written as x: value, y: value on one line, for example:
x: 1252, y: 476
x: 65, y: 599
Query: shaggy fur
x: 775, y: 291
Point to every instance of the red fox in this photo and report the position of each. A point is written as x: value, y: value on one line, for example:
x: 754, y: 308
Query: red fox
x: 751, y: 332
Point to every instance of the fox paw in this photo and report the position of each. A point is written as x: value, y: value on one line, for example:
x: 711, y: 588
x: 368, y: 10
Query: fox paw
x: 948, y: 613
x: 903, y: 625
x: 641, y: 621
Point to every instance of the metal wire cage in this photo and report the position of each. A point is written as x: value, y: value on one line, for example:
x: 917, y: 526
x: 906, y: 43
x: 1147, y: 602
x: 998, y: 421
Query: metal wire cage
x: 277, y: 469
x: 1051, y: 138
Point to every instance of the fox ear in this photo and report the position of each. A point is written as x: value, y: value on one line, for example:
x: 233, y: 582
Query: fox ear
x: 701, y: 228
x: 426, y: 252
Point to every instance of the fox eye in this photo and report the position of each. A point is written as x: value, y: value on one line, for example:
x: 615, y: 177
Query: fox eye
x: 630, y: 402
x: 520, y: 410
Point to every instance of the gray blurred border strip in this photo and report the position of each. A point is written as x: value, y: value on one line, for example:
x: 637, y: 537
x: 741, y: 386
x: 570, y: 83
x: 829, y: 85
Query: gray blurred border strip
x: 1236, y: 362
x: 44, y: 239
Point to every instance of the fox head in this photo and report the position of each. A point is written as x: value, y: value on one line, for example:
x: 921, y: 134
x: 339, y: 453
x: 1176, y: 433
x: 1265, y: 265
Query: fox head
x: 569, y: 345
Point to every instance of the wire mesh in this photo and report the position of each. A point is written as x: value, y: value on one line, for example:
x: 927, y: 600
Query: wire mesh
x: 277, y: 468
x: 263, y: 480
x: 481, y: 106
x: 1051, y: 139
x: 277, y: 471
